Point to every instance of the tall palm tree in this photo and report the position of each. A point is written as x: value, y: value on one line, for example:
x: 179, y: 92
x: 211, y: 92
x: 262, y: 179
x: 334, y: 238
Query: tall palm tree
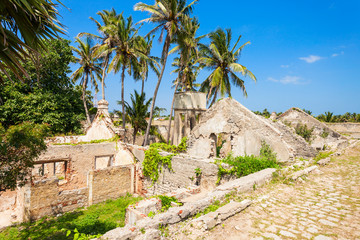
x: 138, y: 112
x: 187, y: 46
x: 90, y: 68
x: 24, y: 27
x: 221, y: 59
x: 145, y: 46
x: 107, y: 39
x: 126, y: 53
x: 167, y: 14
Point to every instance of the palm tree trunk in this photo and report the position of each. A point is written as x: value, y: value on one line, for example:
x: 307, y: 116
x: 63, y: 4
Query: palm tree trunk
x: 214, y: 99
x: 171, y: 112
x: 165, y: 54
x: 122, y: 95
x: 142, y: 86
x: 103, y: 76
x: 134, y: 135
x: 84, y: 100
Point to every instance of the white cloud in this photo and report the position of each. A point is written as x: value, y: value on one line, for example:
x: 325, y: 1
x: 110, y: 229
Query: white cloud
x: 311, y: 58
x: 285, y: 66
x: 337, y: 54
x: 286, y: 80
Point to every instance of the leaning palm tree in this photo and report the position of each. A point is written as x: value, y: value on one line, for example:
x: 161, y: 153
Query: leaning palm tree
x: 90, y: 68
x: 24, y: 27
x: 137, y: 112
x: 145, y: 46
x: 126, y: 53
x: 107, y: 39
x: 167, y: 14
x: 221, y: 59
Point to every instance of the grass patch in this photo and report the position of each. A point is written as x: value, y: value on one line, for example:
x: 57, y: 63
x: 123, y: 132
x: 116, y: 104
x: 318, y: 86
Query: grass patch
x: 96, y: 219
x: 322, y: 155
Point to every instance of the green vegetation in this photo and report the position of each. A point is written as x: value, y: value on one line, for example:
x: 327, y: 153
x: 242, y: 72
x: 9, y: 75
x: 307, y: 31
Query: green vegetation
x: 47, y: 96
x: 166, y: 202
x: 96, y: 219
x: 322, y: 155
x: 303, y: 131
x: 114, y: 139
x: 154, y: 162
x: 245, y: 165
x: 20, y: 145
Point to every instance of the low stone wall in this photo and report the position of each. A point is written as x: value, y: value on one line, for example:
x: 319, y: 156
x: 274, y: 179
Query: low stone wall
x: 351, y: 129
x: 110, y: 183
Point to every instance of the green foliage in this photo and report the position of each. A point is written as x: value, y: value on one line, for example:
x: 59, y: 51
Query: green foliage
x: 322, y: 155
x: 48, y: 96
x: 304, y: 131
x: 154, y: 162
x: 166, y: 202
x: 347, y: 117
x: 324, y: 134
x: 20, y: 145
x: 197, y: 172
x: 90, y: 223
x: 265, y: 113
x: 245, y: 165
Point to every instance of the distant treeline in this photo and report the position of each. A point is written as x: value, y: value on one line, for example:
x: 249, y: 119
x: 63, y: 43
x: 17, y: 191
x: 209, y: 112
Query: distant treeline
x: 325, y: 117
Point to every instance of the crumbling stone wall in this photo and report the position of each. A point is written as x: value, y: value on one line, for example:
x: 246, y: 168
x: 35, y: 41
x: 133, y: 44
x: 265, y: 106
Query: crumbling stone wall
x: 350, y: 129
x: 322, y: 136
x: 234, y: 128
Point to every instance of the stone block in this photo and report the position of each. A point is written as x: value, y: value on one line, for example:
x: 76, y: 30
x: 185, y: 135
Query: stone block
x: 231, y: 209
x: 141, y: 210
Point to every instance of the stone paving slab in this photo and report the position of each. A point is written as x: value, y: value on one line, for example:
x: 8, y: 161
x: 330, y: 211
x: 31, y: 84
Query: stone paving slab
x: 325, y: 206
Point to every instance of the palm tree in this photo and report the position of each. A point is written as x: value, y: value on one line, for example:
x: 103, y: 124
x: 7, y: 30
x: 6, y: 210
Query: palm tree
x: 90, y: 67
x: 144, y: 45
x: 107, y: 39
x: 126, y: 53
x: 167, y: 14
x: 187, y: 46
x: 137, y: 112
x: 222, y: 60
x: 24, y: 27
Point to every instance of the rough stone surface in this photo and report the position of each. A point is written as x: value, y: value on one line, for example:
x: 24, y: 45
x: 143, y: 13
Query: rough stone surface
x: 242, y: 132
x: 300, y: 173
x: 325, y: 206
x: 323, y: 136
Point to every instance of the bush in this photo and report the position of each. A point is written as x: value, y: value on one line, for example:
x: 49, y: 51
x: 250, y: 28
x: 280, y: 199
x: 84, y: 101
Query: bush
x: 304, y: 132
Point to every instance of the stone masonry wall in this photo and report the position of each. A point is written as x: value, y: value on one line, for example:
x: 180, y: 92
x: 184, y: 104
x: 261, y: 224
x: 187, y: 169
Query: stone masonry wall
x: 110, y: 183
x: 183, y: 175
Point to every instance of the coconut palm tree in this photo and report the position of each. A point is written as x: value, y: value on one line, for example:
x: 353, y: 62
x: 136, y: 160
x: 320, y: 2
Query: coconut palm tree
x: 24, y: 27
x: 145, y: 46
x: 187, y: 46
x: 106, y: 29
x: 137, y: 112
x: 90, y: 68
x: 126, y: 53
x: 222, y: 60
x: 167, y: 14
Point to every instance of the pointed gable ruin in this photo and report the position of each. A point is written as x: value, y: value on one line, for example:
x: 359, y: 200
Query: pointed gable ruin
x: 228, y: 127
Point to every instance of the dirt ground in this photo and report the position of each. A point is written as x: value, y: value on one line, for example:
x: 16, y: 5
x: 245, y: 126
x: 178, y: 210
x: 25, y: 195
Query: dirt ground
x: 325, y: 205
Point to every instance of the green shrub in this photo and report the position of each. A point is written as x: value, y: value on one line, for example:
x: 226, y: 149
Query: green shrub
x: 154, y: 162
x: 304, y: 132
x: 322, y: 155
x: 166, y: 202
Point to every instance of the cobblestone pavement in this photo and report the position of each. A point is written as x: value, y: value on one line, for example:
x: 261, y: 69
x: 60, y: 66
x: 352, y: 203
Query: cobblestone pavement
x: 324, y: 206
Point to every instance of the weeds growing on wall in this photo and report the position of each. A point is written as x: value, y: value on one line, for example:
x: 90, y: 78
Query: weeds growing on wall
x: 245, y: 165
x: 154, y: 162
x: 304, y: 131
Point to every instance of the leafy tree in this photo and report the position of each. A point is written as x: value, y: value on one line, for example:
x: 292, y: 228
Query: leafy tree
x: 47, y: 96
x: 24, y: 27
x: 221, y: 59
x: 19, y: 146
x: 90, y: 67
x: 167, y: 14
x: 126, y: 53
x: 137, y: 112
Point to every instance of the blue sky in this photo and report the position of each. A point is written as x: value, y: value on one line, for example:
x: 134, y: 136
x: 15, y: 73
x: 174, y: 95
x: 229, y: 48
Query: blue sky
x: 304, y: 54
